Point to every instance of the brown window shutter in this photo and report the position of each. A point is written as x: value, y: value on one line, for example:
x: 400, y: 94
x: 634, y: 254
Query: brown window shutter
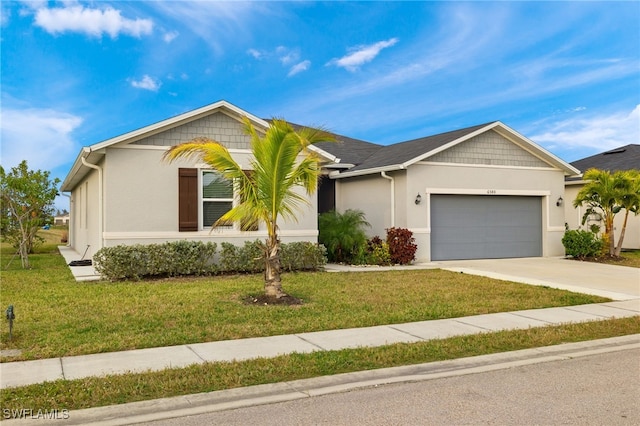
x: 188, y: 200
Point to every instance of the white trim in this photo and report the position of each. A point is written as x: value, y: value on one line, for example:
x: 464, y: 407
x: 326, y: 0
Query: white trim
x: 555, y: 229
x: 485, y: 166
x: 488, y: 191
x: 365, y: 172
x: 168, y: 147
x: 215, y: 234
x: 420, y: 231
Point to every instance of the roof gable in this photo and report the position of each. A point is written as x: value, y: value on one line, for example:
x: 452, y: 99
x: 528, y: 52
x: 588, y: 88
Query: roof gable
x: 403, y: 154
x: 489, y: 148
x: 217, y: 126
x: 93, y: 154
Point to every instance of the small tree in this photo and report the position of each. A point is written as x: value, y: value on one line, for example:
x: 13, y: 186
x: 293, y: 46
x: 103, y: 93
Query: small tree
x: 282, y: 161
x: 27, y: 202
x: 607, y: 194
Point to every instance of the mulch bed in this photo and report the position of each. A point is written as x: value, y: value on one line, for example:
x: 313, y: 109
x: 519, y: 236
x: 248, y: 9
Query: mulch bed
x: 264, y: 300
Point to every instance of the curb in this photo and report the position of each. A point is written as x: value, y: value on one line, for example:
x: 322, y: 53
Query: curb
x: 188, y: 405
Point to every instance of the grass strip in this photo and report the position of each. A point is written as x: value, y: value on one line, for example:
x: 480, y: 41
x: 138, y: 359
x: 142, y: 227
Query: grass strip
x: 56, y: 316
x: 94, y: 392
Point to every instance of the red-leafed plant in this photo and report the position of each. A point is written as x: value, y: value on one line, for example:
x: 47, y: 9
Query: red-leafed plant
x: 402, y: 245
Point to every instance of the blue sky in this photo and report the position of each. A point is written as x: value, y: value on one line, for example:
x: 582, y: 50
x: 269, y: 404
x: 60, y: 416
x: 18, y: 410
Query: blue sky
x: 564, y: 74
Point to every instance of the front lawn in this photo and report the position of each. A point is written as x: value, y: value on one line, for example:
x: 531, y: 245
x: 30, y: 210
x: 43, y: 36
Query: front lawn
x: 56, y: 316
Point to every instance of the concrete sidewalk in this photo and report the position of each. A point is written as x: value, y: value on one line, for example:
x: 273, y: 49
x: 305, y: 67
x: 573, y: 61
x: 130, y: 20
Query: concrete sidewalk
x: 618, y: 283
x: 29, y: 372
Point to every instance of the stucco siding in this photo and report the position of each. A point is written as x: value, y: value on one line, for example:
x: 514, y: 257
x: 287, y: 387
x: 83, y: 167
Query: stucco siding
x: 442, y: 179
x: 84, y: 231
x: 142, y: 207
x: 489, y: 148
x: 219, y: 127
x: 370, y: 194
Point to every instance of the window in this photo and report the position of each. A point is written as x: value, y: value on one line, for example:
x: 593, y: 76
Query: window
x: 203, y: 197
x: 217, y: 197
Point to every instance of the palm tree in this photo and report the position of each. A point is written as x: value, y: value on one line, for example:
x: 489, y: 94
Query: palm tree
x: 342, y: 234
x: 604, y: 192
x: 281, y: 162
x: 630, y: 201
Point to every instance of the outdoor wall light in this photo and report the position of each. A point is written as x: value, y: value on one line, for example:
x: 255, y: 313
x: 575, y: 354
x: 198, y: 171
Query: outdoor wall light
x: 559, y: 202
x: 418, y: 199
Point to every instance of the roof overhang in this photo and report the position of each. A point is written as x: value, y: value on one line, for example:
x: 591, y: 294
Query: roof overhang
x: 93, y: 154
x: 498, y: 127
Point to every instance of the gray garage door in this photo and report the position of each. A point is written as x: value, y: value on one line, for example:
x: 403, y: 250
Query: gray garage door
x: 485, y: 227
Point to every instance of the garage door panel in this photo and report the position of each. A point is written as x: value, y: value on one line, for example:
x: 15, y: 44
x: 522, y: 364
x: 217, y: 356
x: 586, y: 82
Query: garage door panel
x: 485, y: 227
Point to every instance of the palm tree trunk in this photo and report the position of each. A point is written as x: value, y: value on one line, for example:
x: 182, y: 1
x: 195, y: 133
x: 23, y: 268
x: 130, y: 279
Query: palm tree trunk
x: 624, y: 227
x: 609, y: 232
x: 272, y: 280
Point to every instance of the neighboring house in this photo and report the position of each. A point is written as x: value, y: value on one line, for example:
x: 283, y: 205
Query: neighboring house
x: 61, y: 220
x: 623, y: 158
x: 481, y: 192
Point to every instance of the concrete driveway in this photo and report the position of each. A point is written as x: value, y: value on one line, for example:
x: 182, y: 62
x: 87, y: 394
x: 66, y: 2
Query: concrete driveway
x: 615, y: 282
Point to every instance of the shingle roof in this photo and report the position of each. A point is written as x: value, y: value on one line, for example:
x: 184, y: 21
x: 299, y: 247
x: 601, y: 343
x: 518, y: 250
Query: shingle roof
x: 348, y: 150
x: 402, y: 152
x: 623, y: 158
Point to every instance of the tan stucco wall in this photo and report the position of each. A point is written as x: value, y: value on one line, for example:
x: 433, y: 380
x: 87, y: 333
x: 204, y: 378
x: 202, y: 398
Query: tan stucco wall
x: 142, y: 202
x: 442, y: 179
x: 371, y: 194
x: 573, y: 217
x: 84, y: 216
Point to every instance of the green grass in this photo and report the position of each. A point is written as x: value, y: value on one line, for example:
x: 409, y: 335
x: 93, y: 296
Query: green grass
x: 94, y: 392
x: 56, y: 316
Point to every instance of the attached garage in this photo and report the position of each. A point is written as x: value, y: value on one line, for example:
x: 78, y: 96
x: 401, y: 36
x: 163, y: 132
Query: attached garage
x: 485, y: 227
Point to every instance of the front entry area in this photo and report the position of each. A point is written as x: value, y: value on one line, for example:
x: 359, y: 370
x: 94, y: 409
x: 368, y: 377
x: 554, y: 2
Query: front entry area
x: 485, y: 227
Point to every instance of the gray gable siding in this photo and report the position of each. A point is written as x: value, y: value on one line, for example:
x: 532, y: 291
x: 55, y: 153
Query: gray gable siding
x: 491, y: 149
x: 219, y: 127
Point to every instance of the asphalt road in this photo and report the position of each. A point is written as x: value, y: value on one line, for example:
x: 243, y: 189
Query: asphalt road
x: 601, y: 389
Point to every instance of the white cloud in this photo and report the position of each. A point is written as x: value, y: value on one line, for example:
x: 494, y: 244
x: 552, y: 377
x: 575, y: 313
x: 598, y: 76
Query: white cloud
x: 168, y: 37
x: 147, y: 83
x: 287, y: 56
x: 361, y: 55
x: 256, y: 53
x: 599, y: 133
x: 93, y: 22
x: 299, y: 67
x: 40, y: 136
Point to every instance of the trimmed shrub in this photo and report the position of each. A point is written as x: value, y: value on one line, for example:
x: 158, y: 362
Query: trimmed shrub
x: 179, y: 258
x: 302, y: 256
x: 581, y: 244
x: 247, y: 259
x: 402, y: 247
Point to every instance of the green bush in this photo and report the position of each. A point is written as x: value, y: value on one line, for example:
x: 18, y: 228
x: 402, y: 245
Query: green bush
x: 178, y: 258
x: 247, y: 259
x: 343, y: 235
x: 302, y: 256
x: 581, y: 244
